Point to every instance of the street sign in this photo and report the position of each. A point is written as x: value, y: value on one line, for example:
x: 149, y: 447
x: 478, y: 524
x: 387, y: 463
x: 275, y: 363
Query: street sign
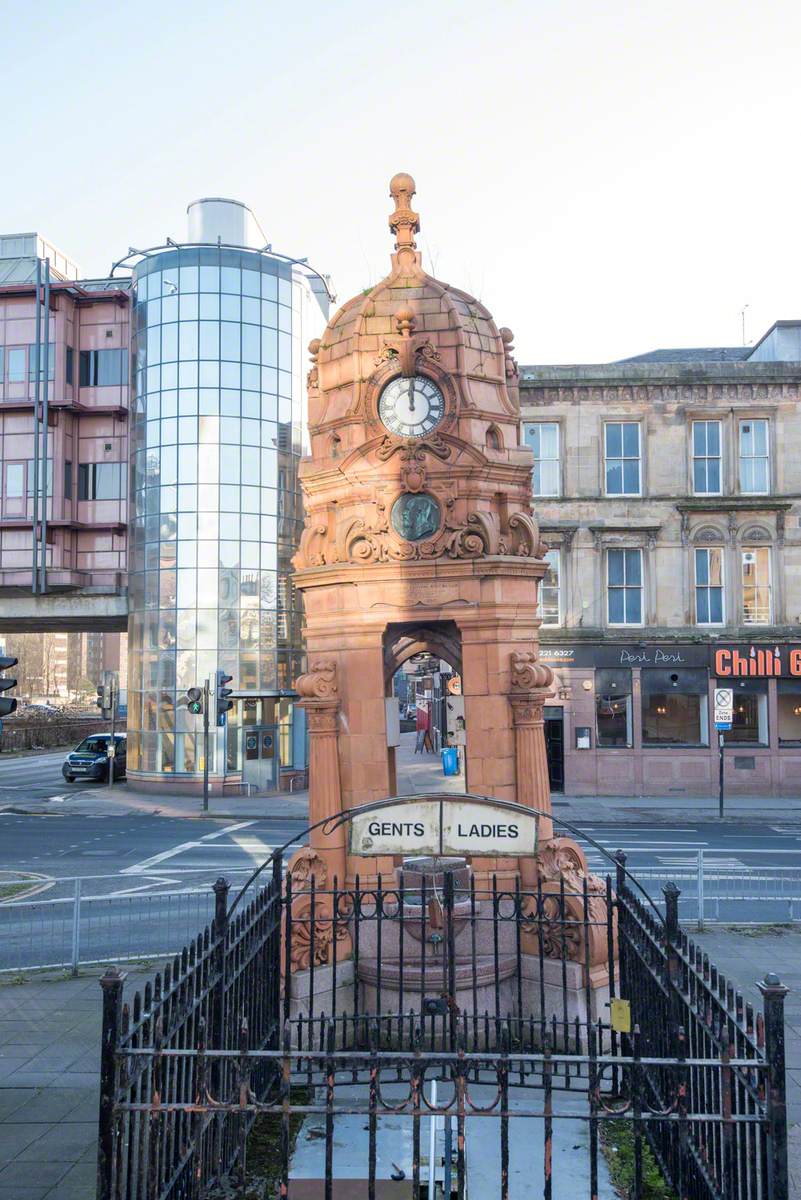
x: 442, y: 827
x: 724, y: 707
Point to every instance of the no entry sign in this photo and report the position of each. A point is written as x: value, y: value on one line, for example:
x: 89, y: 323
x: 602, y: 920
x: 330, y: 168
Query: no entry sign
x: 442, y: 827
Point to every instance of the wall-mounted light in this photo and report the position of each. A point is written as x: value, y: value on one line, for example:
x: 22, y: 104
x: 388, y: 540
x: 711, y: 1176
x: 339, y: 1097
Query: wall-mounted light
x: 661, y: 709
x: 797, y: 710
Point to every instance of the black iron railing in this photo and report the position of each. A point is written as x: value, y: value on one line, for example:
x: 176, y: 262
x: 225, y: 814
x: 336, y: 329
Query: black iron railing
x: 500, y: 991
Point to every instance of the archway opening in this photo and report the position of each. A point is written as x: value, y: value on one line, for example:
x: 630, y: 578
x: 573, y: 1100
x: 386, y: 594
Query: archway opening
x: 426, y: 713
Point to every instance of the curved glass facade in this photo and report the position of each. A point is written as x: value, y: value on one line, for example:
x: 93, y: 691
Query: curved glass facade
x: 218, y: 425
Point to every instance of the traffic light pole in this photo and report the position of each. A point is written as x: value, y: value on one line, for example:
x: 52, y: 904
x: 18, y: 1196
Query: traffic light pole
x: 206, y: 746
x: 112, y: 748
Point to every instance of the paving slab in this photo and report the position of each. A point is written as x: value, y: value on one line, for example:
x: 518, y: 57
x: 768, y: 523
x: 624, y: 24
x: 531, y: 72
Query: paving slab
x: 49, y: 1098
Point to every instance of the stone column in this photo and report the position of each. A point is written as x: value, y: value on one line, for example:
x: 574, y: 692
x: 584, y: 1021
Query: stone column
x: 531, y: 682
x: 531, y: 762
x: 320, y: 699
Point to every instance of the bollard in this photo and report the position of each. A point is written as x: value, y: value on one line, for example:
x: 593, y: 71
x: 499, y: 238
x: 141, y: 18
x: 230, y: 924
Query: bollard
x: 700, y: 890
x: 75, y: 957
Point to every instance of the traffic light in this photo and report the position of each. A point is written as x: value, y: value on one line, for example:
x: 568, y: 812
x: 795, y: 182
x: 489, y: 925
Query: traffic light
x: 7, y: 705
x: 104, y: 698
x: 224, y: 705
x: 194, y: 700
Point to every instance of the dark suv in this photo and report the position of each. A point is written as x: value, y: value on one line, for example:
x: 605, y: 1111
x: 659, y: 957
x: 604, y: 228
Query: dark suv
x: 90, y: 759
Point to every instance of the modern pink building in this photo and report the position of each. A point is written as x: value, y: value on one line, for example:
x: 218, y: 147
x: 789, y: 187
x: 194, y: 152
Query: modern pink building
x: 63, y: 525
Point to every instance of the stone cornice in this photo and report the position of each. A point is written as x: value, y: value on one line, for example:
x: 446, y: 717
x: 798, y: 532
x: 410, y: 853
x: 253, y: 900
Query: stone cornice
x: 723, y: 504
x: 656, y: 374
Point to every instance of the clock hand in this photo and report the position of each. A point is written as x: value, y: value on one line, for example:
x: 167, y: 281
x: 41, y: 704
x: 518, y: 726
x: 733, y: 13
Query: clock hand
x: 411, y: 396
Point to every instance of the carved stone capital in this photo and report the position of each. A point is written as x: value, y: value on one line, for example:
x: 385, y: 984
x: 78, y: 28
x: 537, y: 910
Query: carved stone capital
x: 322, y: 715
x: 528, y: 673
x: 319, y: 682
x: 527, y: 707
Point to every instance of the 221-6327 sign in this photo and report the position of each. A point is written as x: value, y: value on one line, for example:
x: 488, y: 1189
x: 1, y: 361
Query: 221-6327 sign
x: 444, y: 826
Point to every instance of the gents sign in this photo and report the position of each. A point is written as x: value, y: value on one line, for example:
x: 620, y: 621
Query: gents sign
x: 443, y: 827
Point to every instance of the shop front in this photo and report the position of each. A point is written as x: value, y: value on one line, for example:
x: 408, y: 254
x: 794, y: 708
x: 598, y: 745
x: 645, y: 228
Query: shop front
x: 637, y: 719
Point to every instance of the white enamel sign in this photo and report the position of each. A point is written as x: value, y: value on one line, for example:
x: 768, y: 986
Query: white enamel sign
x: 441, y: 827
x: 724, y: 707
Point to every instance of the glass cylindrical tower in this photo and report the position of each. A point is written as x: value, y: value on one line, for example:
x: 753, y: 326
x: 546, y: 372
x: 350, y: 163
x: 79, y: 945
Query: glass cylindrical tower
x: 218, y: 429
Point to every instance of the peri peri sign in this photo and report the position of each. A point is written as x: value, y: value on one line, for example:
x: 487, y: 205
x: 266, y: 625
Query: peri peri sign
x: 441, y: 827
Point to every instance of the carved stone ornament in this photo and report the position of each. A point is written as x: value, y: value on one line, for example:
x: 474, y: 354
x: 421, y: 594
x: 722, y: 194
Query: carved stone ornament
x: 314, y: 924
x: 707, y: 535
x: 319, y: 682
x: 559, y: 917
x: 528, y: 673
x: 413, y: 448
x: 755, y: 534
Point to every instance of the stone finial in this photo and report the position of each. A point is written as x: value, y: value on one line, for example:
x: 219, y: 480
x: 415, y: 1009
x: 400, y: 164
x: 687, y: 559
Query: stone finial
x: 405, y: 320
x: 404, y: 222
x: 312, y: 378
x: 507, y: 337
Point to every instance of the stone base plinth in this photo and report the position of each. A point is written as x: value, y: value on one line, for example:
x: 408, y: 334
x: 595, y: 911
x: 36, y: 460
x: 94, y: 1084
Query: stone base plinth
x: 312, y: 992
x: 552, y: 994
x: 471, y: 996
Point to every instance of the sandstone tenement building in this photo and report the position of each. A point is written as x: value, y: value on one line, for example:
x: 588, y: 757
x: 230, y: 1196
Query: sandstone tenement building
x: 668, y: 488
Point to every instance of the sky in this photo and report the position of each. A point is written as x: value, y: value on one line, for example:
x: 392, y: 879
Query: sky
x: 608, y: 178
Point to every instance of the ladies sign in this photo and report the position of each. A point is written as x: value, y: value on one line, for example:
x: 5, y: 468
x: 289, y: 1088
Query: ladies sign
x: 444, y: 826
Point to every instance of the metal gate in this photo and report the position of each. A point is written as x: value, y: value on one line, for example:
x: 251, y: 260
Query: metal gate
x: 449, y: 1033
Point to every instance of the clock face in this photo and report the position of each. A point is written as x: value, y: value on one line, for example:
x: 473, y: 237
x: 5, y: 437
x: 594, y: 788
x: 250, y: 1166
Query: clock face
x: 411, y: 407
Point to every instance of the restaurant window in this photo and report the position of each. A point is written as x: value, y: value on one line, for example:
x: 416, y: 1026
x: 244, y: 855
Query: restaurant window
x: 788, y: 706
x: 754, y: 457
x: 549, y: 594
x: 543, y: 438
x: 624, y: 587
x: 613, y: 718
x: 706, y: 458
x: 750, y: 711
x: 622, y: 458
x: 756, y: 586
x: 675, y: 707
x: 709, y: 586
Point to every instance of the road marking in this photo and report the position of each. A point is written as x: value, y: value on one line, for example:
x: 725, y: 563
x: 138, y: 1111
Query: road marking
x: 156, y: 882
x: 210, y: 837
x: 140, y: 867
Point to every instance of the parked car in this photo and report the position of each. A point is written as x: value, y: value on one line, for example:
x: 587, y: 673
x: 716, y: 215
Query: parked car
x: 90, y: 760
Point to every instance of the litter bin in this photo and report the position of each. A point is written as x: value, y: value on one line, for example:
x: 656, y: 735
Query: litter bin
x: 450, y: 761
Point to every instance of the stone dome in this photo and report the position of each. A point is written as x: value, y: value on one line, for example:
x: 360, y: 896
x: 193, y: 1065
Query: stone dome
x: 452, y: 330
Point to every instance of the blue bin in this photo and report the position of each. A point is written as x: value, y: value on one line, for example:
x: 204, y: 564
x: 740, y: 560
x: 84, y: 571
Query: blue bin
x: 450, y: 761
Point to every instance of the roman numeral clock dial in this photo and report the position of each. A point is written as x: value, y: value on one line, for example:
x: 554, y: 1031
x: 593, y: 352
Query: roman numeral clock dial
x: 411, y: 407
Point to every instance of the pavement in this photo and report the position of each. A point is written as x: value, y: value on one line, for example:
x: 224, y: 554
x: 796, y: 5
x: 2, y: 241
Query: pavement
x: 49, y: 1083
x: 744, y: 956
x: 50, y: 1056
